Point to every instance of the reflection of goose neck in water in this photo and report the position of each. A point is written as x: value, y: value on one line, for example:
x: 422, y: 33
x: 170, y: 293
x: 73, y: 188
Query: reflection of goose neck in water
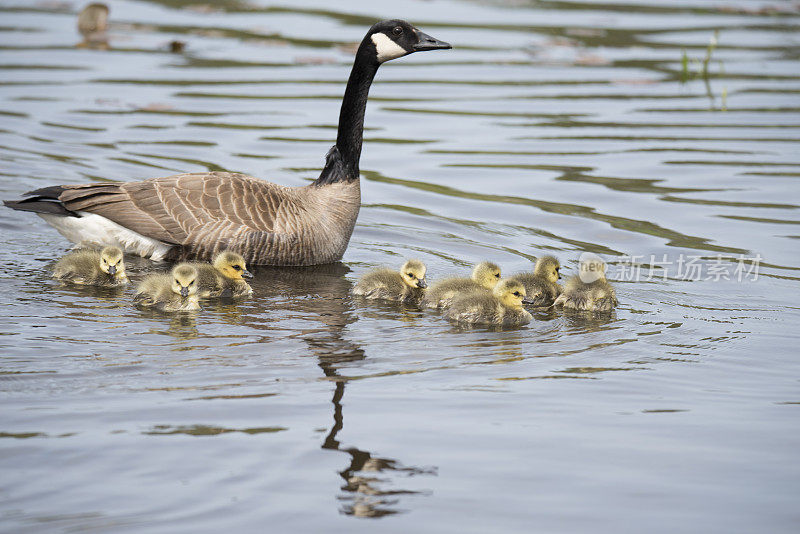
x: 363, y: 497
x: 331, y: 308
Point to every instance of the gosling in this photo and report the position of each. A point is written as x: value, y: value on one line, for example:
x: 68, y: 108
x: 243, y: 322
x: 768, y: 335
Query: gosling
x: 407, y: 285
x: 223, y: 278
x: 105, y: 268
x: 593, y: 294
x: 174, y: 291
x: 485, y: 276
x: 542, y: 285
x: 501, y: 307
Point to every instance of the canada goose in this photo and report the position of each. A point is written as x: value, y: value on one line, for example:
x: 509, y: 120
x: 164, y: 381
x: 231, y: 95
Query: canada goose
x: 501, y: 307
x: 223, y: 278
x: 92, y: 268
x: 199, y: 214
x: 542, y: 285
x: 406, y: 285
x: 485, y: 276
x: 92, y: 25
x: 593, y: 294
x: 174, y: 291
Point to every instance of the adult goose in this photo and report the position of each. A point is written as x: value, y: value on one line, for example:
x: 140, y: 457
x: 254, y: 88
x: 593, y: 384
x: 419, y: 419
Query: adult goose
x: 199, y: 214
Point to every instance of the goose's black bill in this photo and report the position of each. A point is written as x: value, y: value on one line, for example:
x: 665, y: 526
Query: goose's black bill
x: 426, y: 42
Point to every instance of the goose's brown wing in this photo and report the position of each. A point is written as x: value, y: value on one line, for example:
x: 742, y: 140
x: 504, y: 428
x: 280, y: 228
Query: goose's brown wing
x: 182, y: 208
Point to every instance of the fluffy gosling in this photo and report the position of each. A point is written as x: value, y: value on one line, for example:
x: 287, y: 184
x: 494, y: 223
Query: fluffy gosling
x: 105, y: 268
x: 406, y: 285
x: 542, y: 285
x: 174, y: 291
x: 596, y: 294
x: 485, y: 276
x: 223, y: 277
x: 501, y: 307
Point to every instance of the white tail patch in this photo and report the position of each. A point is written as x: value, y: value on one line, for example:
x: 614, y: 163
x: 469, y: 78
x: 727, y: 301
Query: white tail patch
x: 91, y: 229
x: 387, y: 49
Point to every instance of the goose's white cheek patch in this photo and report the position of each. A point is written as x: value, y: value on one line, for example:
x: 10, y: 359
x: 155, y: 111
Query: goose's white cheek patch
x: 387, y: 49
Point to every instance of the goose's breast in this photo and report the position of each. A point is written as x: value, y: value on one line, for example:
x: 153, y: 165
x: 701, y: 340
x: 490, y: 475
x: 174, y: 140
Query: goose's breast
x: 312, y: 226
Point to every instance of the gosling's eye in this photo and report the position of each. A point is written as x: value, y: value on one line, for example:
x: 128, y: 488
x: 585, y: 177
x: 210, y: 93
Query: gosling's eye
x: 397, y: 30
x: 191, y: 283
x: 411, y: 275
x: 516, y: 293
x: 177, y: 281
x: 237, y: 268
x: 497, y: 275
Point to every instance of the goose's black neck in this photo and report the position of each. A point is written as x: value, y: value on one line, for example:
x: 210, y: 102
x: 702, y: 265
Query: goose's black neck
x: 342, y: 160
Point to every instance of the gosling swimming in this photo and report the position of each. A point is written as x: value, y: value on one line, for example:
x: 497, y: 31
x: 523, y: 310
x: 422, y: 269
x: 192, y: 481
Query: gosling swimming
x: 501, y: 307
x: 485, y: 276
x: 223, y: 278
x: 542, y: 285
x: 406, y: 285
x: 104, y: 268
x: 589, y: 291
x: 175, y: 291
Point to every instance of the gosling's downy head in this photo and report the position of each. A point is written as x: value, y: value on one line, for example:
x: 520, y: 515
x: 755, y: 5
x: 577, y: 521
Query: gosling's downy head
x: 231, y: 265
x: 391, y: 39
x: 487, y: 274
x: 111, y: 262
x: 548, y: 267
x: 510, y: 292
x: 592, y: 268
x: 413, y: 273
x: 184, y: 280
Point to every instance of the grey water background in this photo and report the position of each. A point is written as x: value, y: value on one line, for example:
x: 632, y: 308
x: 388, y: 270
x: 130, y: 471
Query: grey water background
x: 551, y: 128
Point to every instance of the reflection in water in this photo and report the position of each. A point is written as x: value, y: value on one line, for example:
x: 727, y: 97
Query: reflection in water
x: 183, y: 326
x: 322, y: 294
x: 589, y: 321
x: 93, y: 296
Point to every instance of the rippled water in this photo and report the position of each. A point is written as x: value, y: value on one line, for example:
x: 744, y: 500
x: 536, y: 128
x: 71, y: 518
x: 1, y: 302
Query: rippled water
x: 552, y: 127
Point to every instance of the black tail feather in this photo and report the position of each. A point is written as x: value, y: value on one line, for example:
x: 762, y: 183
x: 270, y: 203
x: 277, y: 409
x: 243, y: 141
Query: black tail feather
x: 40, y: 204
x: 52, y: 192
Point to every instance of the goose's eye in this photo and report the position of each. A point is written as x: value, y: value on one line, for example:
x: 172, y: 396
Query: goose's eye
x: 516, y: 293
x: 497, y: 275
x: 411, y: 275
x: 237, y: 267
x: 397, y: 30
x: 191, y: 283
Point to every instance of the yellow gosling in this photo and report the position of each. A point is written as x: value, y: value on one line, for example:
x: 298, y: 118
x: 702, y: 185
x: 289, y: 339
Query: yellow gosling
x: 104, y: 268
x: 589, y: 291
x: 501, y: 307
x: 175, y: 291
x: 485, y: 276
x: 542, y: 284
x: 224, y: 277
x: 406, y: 285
